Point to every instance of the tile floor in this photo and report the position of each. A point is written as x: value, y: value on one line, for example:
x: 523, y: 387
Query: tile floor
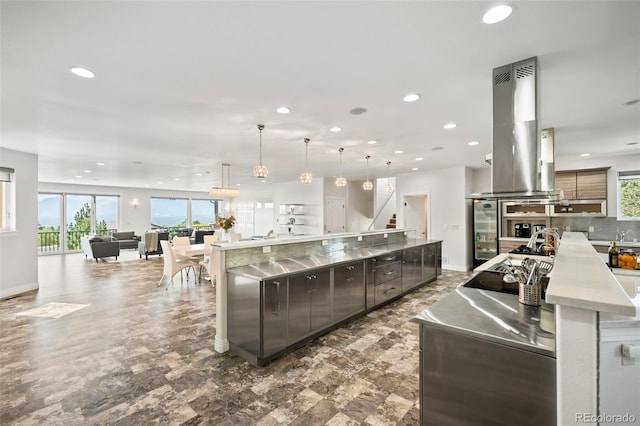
x: 141, y: 355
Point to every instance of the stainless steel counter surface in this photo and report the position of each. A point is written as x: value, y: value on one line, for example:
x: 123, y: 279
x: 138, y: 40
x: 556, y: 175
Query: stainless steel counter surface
x: 494, y: 316
x: 261, y: 271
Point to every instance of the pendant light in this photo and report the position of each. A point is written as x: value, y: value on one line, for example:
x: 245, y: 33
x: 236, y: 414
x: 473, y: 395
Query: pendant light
x: 367, y: 186
x: 260, y: 171
x: 306, y: 177
x: 388, y: 187
x: 340, y: 181
x: 222, y: 191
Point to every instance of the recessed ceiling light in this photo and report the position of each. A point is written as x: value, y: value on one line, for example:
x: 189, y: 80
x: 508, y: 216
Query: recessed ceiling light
x: 263, y: 181
x: 472, y: 143
x: 450, y: 126
x: 437, y: 148
x: 335, y: 129
x: 283, y: 110
x: 82, y: 72
x: 372, y: 142
x: 586, y: 154
x: 411, y: 97
x: 419, y: 159
x: 198, y: 174
x: 176, y: 179
x: 237, y: 184
x: 399, y: 151
x: 99, y: 164
x: 160, y: 182
x: 78, y: 176
x: 146, y: 186
x: 497, y: 14
x: 414, y: 168
x: 87, y: 171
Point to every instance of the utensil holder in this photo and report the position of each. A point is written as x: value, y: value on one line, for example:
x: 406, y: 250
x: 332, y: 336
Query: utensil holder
x: 530, y: 294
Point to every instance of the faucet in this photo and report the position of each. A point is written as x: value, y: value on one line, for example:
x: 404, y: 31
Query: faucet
x: 630, y: 235
x: 544, y: 233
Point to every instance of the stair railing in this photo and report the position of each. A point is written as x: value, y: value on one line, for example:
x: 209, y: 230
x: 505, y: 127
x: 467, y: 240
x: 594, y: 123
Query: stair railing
x: 384, y: 204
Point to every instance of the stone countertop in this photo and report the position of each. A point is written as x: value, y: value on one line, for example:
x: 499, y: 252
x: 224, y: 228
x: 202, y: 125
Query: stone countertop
x: 592, y: 242
x: 580, y: 279
x: 496, y: 317
x: 262, y: 271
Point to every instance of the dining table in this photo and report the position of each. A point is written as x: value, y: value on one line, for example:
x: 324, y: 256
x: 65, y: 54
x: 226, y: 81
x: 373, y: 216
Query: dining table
x: 190, y: 250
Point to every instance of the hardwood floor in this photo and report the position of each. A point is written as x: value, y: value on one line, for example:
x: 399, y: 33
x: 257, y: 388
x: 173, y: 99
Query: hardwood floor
x: 138, y: 354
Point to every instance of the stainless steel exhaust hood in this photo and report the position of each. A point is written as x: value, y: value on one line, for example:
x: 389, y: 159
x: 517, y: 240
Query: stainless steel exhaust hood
x: 520, y: 168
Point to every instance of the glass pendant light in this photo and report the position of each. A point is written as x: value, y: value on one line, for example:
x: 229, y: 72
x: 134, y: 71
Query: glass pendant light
x: 306, y: 177
x: 222, y: 191
x: 260, y: 171
x: 340, y: 181
x: 388, y: 187
x: 367, y: 186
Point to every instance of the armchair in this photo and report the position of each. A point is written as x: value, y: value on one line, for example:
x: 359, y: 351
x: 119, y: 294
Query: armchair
x: 127, y: 240
x: 99, y: 247
x: 151, y: 243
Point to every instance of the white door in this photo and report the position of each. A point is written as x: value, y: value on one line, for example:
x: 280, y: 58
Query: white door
x: 415, y: 214
x: 334, y: 215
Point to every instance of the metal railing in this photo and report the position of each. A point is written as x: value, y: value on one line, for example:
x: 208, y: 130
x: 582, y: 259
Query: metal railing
x: 49, y: 241
x: 384, y: 204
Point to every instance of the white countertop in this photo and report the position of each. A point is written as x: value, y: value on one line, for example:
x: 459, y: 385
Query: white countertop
x: 581, y: 279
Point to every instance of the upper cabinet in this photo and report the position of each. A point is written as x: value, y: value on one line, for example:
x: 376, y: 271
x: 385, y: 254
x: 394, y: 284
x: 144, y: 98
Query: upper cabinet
x: 583, y: 184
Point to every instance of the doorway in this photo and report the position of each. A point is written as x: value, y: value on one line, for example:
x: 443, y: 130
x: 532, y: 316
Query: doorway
x: 415, y: 214
x: 334, y: 214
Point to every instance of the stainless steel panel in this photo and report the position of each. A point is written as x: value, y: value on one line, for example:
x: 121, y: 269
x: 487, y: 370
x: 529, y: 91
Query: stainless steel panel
x: 411, y: 268
x: 320, y: 300
x: 430, y: 260
x: 348, y: 290
x: 371, y: 282
x: 274, y: 316
x: 388, y: 272
x: 299, y: 306
x: 243, y: 313
x: 389, y: 258
x: 388, y: 290
x: 470, y: 381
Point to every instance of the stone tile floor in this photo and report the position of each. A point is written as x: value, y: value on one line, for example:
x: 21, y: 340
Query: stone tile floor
x: 141, y: 355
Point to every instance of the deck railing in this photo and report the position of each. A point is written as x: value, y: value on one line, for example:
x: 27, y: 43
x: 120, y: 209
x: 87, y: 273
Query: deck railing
x: 49, y: 241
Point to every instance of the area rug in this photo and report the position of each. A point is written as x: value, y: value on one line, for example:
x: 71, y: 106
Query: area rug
x: 52, y: 310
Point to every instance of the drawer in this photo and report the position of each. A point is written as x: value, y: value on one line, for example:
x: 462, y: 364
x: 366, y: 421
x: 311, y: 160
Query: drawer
x: 388, y: 272
x: 385, y: 259
x: 387, y: 291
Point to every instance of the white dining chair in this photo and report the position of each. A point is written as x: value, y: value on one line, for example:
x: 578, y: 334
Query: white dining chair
x: 205, y: 264
x: 173, y: 265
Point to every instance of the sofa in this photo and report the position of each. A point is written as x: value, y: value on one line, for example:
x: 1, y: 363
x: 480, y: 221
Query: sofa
x: 151, y: 243
x: 199, y: 236
x: 99, y: 247
x: 126, y: 239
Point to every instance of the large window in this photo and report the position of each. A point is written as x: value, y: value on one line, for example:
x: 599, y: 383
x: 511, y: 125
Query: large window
x: 629, y: 195
x: 63, y: 219
x: 178, y: 213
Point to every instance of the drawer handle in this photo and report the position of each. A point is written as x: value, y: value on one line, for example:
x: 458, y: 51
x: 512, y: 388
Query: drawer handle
x: 389, y: 258
x: 276, y: 306
x: 390, y: 272
x: 389, y: 290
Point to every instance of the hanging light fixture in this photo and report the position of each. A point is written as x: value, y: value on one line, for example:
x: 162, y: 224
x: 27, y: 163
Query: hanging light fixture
x: 222, y: 191
x: 367, y: 186
x: 340, y: 181
x: 388, y: 187
x: 306, y: 177
x: 260, y: 171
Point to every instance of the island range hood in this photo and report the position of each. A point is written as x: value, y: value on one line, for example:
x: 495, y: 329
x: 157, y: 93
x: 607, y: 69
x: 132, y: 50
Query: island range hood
x: 522, y: 162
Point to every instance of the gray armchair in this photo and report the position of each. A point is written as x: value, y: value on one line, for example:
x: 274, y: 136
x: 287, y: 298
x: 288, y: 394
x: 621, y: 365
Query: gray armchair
x: 99, y: 247
x: 126, y: 239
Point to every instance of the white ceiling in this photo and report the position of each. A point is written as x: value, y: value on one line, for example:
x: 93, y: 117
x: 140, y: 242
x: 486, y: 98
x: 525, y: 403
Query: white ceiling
x: 180, y: 86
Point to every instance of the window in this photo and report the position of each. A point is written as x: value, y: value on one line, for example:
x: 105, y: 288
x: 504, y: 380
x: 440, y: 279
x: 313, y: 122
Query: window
x: 629, y: 195
x: 168, y: 213
x: 7, y: 200
x: 203, y: 213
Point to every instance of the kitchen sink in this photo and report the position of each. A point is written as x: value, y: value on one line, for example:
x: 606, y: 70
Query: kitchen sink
x: 493, y: 280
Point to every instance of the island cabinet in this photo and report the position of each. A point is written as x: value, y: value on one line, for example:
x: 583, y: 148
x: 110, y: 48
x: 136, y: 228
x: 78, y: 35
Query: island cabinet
x: 275, y: 314
x: 309, y: 303
x: 384, y: 278
x: 431, y: 261
x: 348, y: 290
x: 411, y: 267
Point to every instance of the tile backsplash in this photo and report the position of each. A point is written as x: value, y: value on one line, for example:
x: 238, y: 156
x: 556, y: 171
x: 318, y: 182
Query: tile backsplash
x: 605, y: 228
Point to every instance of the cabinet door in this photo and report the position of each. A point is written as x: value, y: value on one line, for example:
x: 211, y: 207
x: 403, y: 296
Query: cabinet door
x: 320, y: 299
x: 274, y: 316
x: 411, y: 267
x: 299, y: 306
x: 430, y: 262
x: 567, y: 182
x: 348, y: 290
x: 592, y: 185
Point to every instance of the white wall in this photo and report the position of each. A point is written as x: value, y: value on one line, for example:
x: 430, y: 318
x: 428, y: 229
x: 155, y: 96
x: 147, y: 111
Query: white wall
x: 359, y: 207
x: 19, y: 249
x: 295, y: 192
x: 448, y: 217
x: 379, y: 197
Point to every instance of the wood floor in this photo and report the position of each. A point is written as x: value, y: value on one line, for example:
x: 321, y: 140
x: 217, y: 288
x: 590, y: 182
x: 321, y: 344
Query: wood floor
x: 138, y: 354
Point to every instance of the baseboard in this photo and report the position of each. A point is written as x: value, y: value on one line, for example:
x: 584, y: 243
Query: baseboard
x: 5, y: 293
x: 461, y: 268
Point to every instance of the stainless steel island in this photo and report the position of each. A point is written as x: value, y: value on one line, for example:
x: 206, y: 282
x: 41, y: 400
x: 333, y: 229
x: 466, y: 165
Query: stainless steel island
x: 486, y: 359
x: 277, y: 306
